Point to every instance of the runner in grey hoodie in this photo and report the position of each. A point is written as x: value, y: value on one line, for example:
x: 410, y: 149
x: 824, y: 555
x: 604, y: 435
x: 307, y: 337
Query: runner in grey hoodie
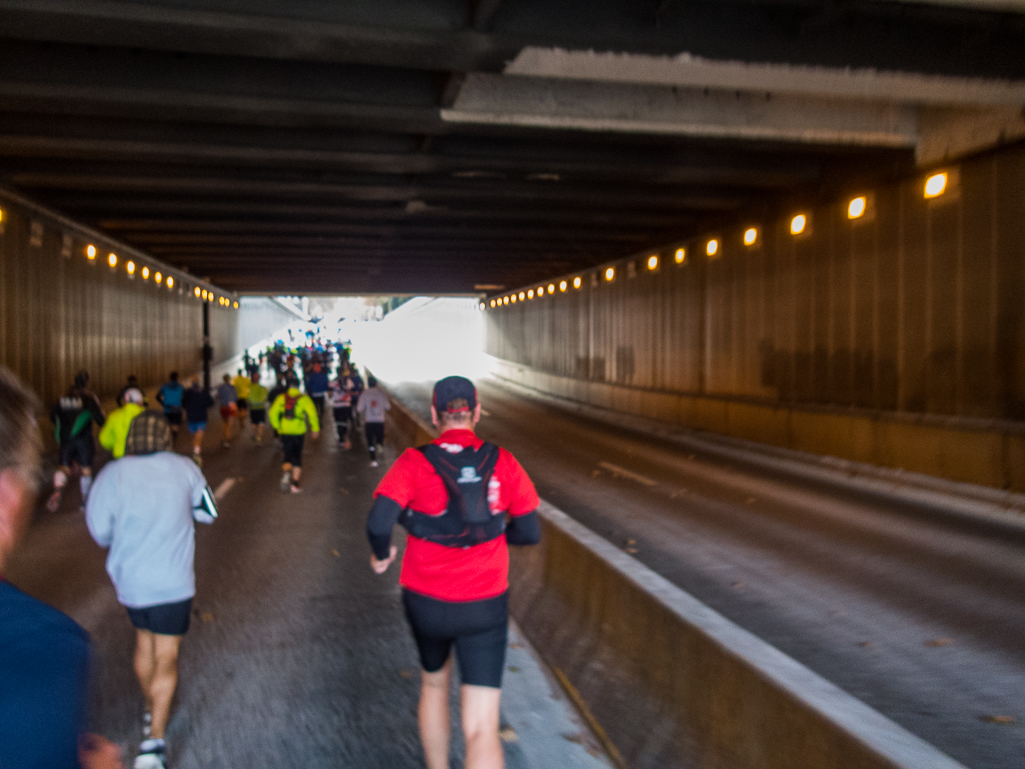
x: 142, y: 507
x: 373, y: 404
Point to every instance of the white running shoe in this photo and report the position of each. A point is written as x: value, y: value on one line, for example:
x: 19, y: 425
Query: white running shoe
x: 286, y: 481
x: 373, y: 463
x: 151, y: 755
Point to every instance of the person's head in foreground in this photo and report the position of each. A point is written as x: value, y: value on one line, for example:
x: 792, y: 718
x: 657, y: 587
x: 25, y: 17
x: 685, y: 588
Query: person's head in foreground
x: 454, y: 405
x: 19, y: 460
x: 148, y: 434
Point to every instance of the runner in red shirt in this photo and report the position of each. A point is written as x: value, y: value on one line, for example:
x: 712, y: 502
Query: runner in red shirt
x: 463, y: 502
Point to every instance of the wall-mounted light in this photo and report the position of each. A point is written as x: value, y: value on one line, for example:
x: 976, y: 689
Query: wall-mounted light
x: 653, y: 262
x: 681, y: 255
x: 236, y: 305
x: 563, y: 285
x: 513, y: 298
x: 170, y: 282
x: 158, y: 278
x: 530, y: 294
x: 750, y: 236
x: 130, y: 267
x: 936, y: 185
x: 522, y: 296
x: 551, y: 288
x: 712, y: 247
x: 145, y: 273
x: 90, y: 252
x: 112, y: 260
x: 505, y: 300
x: 577, y: 282
x: 857, y: 207
x: 798, y: 224
x: 197, y: 291
x: 540, y: 290
x: 492, y: 303
x: 610, y: 273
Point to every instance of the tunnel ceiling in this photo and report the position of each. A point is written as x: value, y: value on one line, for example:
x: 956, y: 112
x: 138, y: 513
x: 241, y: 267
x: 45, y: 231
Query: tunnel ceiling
x: 454, y: 145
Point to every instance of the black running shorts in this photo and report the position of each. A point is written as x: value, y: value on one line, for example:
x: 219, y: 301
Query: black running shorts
x: 293, y: 446
x: 242, y: 405
x: 79, y: 450
x: 163, y: 619
x: 173, y: 418
x: 257, y: 416
x: 479, y: 630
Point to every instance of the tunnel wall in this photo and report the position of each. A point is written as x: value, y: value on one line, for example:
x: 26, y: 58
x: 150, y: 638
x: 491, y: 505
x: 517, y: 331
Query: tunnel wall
x: 61, y: 312
x: 903, y: 330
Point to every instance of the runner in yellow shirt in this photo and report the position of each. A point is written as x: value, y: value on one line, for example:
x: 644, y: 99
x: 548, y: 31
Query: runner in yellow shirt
x: 242, y: 384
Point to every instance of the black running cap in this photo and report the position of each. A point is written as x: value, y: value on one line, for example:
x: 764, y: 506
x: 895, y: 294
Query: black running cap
x: 454, y: 388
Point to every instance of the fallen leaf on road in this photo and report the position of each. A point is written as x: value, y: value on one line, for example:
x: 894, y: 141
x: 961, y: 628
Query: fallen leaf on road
x: 939, y: 642
x: 507, y: 734
x: 207, y: 616
x: 335, y: 553
x: 998, y: 719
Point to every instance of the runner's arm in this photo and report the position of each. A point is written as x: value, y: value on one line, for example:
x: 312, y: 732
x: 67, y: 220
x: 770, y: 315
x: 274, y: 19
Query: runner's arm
x: 382, y: 518
x: 523, y: 529
x: 99, y: 513
x: 160, y: 396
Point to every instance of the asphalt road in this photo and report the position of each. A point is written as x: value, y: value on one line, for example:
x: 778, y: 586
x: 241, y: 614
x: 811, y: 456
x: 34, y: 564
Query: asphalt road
x: 298, y: 655
x: 918, y: 613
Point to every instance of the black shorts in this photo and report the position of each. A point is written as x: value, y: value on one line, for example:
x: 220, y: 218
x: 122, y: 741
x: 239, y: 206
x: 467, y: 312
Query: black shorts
x: 243, y: 405
x: 479, y: 630
x: 79, y: 450
x: 258, y: 416
x: 163, y: 619
x: 343, y: 414
x: 375, y: 433
x: 173, y: 418
x: 293, y: 447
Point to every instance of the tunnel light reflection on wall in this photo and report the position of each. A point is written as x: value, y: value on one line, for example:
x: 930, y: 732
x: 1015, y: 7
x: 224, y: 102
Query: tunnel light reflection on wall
x: 798, y: 223
x: 563, y: 285
x: 652, y: 262
x: 936, y: 185
x: 681, y: 255
x: 857, y: 207
x: 712, y: 247
x: 577, y: 282
x: 610, y: 273
x: 112, y: 260
x: 90, y: 252
x: 750, y: 236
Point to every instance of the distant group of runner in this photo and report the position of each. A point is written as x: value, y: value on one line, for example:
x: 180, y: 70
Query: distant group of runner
x: 461, y: 499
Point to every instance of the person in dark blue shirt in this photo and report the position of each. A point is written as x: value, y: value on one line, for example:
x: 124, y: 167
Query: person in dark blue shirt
x: 44, y: 655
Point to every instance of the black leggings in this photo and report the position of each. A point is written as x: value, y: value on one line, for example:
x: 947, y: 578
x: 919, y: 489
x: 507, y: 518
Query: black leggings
x: 375, y: 437
x: 479, y: 630
x: 343, y: 414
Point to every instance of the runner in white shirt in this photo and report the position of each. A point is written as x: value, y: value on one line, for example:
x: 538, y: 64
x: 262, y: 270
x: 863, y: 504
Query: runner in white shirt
x: 341, y: 403
x: 373, y: 404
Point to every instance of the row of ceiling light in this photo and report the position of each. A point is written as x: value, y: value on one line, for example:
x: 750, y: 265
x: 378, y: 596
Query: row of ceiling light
x: 132, y: 269
x: 857, y: 208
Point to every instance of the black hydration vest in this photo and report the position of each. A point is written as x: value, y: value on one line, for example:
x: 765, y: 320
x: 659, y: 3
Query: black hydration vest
x: 468, y: 519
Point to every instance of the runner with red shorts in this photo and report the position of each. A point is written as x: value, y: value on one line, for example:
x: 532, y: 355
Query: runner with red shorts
x: 463, y: 502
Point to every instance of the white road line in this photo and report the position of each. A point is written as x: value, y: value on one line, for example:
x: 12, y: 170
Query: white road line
x: 485, y: 413
x: 223, y: 488
x: 617, y: 470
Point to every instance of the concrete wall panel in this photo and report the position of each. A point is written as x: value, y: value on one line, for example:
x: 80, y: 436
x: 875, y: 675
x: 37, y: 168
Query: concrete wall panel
x: 913, y: 309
